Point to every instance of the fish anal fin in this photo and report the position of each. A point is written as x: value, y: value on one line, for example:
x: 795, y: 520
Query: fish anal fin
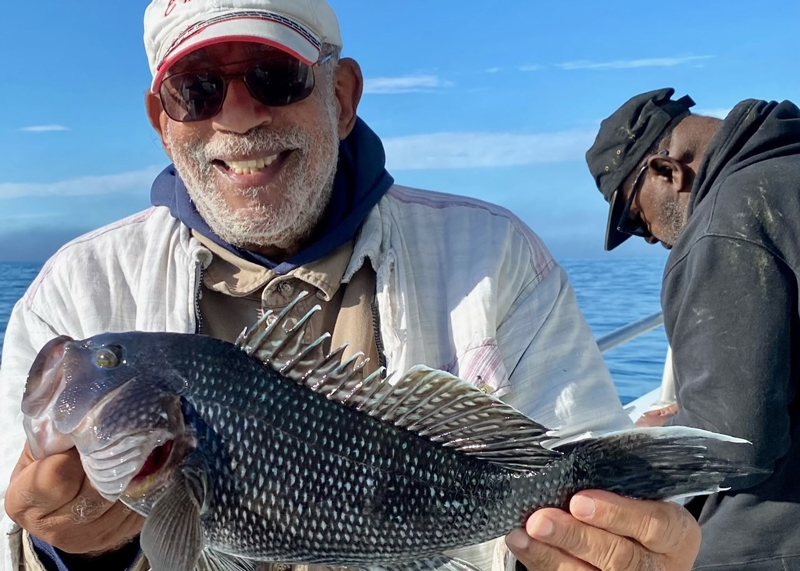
x: 438, y: 563
x: 172, y: 538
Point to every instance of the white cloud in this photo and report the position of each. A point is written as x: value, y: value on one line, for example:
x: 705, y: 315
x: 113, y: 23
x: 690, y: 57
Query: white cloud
x: 35, y: 216
x: 718, y: 112
x: 484, y: 150
x: 44, y: 128
x: 633, y: 63
x: 493, y: 70
x: 135, y: 181
x: 408, y: 84
x: 534, y: 67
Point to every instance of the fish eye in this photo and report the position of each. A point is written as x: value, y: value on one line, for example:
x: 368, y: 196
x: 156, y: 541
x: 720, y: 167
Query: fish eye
x: 107, y: 357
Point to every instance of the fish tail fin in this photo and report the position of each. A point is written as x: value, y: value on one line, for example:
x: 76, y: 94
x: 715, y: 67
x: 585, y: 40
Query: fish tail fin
x: 660, y: 463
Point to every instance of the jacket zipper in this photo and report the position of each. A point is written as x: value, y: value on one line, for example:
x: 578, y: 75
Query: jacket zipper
x: 198, y: 293
x: 376, y: 328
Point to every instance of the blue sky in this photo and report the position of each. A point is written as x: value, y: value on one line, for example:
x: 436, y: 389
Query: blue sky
x: 495, y: 100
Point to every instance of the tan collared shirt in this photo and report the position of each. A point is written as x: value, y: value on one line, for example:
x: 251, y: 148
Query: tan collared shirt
x: 236, y: 293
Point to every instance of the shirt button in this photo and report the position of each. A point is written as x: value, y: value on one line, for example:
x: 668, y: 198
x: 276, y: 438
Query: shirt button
x: 286, y: 288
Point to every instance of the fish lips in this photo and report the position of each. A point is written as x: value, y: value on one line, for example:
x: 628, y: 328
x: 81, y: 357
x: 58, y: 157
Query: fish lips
x: 45, y: 384
x: 45, y: 379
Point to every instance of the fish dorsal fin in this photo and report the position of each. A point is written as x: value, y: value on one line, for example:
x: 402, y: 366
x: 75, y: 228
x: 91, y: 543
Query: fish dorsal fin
x: 279, y: 342
x: 431, y: 403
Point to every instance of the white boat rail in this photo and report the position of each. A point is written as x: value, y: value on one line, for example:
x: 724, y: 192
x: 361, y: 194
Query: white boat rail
x: 630, y: 332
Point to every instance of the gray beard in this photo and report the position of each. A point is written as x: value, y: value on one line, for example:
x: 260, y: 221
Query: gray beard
x: 673, y: 220
x: 307, y: 179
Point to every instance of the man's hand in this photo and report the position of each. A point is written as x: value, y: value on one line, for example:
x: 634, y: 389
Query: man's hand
x: 610, y: 533
x: 53, y: 499
x: 657, y: 417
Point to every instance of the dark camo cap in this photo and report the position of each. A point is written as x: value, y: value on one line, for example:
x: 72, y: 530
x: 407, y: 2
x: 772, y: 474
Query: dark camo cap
x: 623, y: 142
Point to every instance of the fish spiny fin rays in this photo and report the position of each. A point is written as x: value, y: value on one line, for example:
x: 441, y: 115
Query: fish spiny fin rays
x: 279, y: 342
x: 431, y: 403
x: 172, y: 538
x: 440, y: 563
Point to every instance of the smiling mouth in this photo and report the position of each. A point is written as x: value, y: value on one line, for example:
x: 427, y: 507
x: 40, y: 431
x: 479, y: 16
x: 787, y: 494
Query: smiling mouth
x: 251, y: 166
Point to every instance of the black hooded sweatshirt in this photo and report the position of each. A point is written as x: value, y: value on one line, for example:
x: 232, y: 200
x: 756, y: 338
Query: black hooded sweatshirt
x: 730, y: 302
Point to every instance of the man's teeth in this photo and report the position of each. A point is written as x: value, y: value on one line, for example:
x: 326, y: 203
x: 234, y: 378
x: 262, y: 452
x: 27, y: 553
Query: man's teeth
x: 251, y: 167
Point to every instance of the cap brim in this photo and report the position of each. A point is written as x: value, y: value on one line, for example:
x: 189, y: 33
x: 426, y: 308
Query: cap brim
x: 243, y: 29
x: 613, y: 236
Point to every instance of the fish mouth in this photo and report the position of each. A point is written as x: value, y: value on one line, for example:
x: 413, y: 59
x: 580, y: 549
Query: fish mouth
x: 129, y: 462
x: 137, y: 460
x: 157, y: 459
x: 159, y: 467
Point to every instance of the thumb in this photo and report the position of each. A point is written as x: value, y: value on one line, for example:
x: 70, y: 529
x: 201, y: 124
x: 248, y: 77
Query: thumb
x: 25, y: 460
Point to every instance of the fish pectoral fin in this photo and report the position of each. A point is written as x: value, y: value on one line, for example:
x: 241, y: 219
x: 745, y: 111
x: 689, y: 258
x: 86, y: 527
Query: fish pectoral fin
x: 438, y: 563
x: 211, y: 560
x: 172, y: 538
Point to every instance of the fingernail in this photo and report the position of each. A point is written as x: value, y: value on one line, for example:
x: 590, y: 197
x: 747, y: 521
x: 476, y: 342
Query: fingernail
x: 542, y: 528
x: 581, y: 506
x: 518, y: 540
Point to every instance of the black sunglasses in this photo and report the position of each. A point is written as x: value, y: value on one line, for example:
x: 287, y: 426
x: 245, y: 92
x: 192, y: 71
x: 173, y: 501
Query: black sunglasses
x: 199, y: 95
x: 627, y: 224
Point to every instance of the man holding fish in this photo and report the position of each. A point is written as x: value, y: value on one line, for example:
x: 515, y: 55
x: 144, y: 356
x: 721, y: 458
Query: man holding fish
x: 278, y: 188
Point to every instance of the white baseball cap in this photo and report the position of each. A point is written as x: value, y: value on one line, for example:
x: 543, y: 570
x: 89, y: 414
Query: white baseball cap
x: 175, y: 28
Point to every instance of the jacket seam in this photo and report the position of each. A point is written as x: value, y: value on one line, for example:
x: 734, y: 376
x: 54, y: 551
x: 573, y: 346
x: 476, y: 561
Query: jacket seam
x: 759, y: 245
x: 139, y: 218
x: 738, y: 122
x: 407, y: 196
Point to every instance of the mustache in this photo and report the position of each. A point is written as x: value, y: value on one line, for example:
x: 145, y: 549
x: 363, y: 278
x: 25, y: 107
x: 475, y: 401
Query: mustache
x: 256, y: 140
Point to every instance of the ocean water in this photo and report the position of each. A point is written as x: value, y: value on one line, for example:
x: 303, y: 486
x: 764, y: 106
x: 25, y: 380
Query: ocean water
x: 14, y: 280
x: 611, y: 293
x: 615, y: 292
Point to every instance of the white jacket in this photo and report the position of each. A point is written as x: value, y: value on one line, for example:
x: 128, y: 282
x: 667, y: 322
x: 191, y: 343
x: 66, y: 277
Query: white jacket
x: 462, y: 285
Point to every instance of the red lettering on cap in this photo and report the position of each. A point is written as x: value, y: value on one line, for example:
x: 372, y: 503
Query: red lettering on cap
x: 172, y: 4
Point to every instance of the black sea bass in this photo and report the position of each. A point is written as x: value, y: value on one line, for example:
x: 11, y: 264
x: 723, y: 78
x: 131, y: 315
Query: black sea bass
x: 270, y: 450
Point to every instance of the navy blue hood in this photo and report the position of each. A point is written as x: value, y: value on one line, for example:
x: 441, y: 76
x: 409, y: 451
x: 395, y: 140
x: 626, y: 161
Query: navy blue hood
x: 361, y: 181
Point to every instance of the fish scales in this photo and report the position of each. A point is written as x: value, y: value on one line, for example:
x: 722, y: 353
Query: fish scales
x: 320, y: 466
x: 273, y: 450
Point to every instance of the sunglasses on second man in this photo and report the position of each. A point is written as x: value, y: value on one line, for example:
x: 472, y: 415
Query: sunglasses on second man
x: 275, y: 81
x: 635, y: 226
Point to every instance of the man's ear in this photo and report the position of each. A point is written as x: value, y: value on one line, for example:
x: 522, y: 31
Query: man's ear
x: 349, y: 85
x: 157, y: 117
x: 671, y: 173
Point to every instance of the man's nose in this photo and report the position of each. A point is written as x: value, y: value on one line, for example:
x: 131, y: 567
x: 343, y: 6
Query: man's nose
x: 240, y: 111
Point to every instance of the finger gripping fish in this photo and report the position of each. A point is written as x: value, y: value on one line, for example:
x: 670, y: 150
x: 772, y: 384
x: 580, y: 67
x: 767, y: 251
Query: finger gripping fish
x: 271, y: 449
